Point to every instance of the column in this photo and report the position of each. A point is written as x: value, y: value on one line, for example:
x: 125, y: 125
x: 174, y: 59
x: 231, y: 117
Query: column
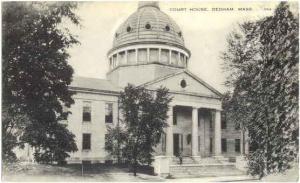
x: 148, y: 55
x: 126, y: 57
x: 159, y: 54
x: 136, y: 55
x: 242, y: 142
x: 195, y: 132
x: 246, y: 142
x: 169, y: 133
x: 217, y: 135
x: 170, y: 56
x: 117, y: 60
x: 179, y: 62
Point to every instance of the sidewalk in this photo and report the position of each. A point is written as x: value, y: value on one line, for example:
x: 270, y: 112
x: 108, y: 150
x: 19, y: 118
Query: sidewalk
x: 242, y: 178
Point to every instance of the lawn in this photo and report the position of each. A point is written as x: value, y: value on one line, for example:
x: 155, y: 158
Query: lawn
x: 95, y: 172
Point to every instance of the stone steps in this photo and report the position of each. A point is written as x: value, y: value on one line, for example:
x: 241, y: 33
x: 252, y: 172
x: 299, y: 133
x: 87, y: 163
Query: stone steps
x: 204, y: 170
x: 207, y: 160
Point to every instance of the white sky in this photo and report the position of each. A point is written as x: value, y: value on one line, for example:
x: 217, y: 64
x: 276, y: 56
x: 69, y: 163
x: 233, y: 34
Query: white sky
x: 204, y: 33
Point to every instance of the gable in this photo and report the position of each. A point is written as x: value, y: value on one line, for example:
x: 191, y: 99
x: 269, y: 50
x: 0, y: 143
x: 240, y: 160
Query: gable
x: 176, y: 83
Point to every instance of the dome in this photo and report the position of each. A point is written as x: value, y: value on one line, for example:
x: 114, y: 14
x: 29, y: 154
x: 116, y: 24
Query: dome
x: 148, y: 25
x: 148, y: 37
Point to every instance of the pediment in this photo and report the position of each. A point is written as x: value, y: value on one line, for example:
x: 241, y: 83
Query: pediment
x: 184, y: 82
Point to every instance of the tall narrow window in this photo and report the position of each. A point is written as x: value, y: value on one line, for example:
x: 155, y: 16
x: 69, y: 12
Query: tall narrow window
x: 108, y: 112
x: 174, y: 58
x: 86, y: 141
x: 165, y: 55
x: 223, y: 121
x: 153, y: 55
x: 131, y: 59
x: 224, y: 145
x: 114, y: 61
x: 122, y: 58
x: 182, y: 61
x: 237, y: 145
x: 86, y: 112
x: 142, y: 55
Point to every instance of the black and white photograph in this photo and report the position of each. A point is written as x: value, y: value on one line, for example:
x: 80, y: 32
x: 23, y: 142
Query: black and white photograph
x: 150, y: 91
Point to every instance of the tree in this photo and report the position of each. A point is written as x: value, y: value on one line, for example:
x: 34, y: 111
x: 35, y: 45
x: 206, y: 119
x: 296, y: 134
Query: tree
x: 262, y: 58
x: 144, y: 117
x: 36, y: 76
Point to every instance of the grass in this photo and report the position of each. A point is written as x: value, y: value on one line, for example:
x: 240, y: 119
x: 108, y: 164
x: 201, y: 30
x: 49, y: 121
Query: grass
x: 75, y: 172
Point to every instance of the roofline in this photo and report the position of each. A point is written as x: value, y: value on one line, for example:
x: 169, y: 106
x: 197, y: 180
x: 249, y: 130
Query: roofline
x: 189, y: 73
x: 205, y: 83
x: 96, y: 91
x: 148, y: 63
x: 115, y: 93
x: 149, y: 42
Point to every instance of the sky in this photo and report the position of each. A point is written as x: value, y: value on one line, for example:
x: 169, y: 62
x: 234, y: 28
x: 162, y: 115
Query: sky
x: 204, y: 32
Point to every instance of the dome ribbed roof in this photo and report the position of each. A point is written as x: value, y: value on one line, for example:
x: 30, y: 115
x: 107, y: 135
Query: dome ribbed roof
x: 148, y: 25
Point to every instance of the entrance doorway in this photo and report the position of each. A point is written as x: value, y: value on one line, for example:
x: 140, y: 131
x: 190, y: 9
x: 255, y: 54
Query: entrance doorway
x: 177, y: 143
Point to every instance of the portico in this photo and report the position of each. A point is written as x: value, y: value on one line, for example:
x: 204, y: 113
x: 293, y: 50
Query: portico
x: 193, y: 131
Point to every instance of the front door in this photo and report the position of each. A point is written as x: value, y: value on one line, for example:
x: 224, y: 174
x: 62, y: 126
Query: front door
x: 176, y: 144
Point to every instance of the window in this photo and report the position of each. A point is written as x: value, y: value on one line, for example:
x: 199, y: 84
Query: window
x: 167, y: 28
x: 142, y: 55
x: 224, y: 145
x: 174, y: 117
x: 153, y: 55
x: 223, y: 121
x: 237, y: 145
x: 131, y: 56
x: 128, y: 29
x: 164, y: 56
x: 121, y: 58
x: 115, y: 60
x: 108, y: 112
x: 107, y: 144
x: 181, y: 63
x: 86, y: 141
x: 188, y: 139
x: 179, y: 34
x: 183, y: 83
x: 148, y: 26
x: 174, y: 58
x: 110, y: 63
x: 163, y: 142
x: 86, y: 112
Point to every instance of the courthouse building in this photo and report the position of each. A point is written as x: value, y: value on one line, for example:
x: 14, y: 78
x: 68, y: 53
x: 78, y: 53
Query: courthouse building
x: 148, y: 50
